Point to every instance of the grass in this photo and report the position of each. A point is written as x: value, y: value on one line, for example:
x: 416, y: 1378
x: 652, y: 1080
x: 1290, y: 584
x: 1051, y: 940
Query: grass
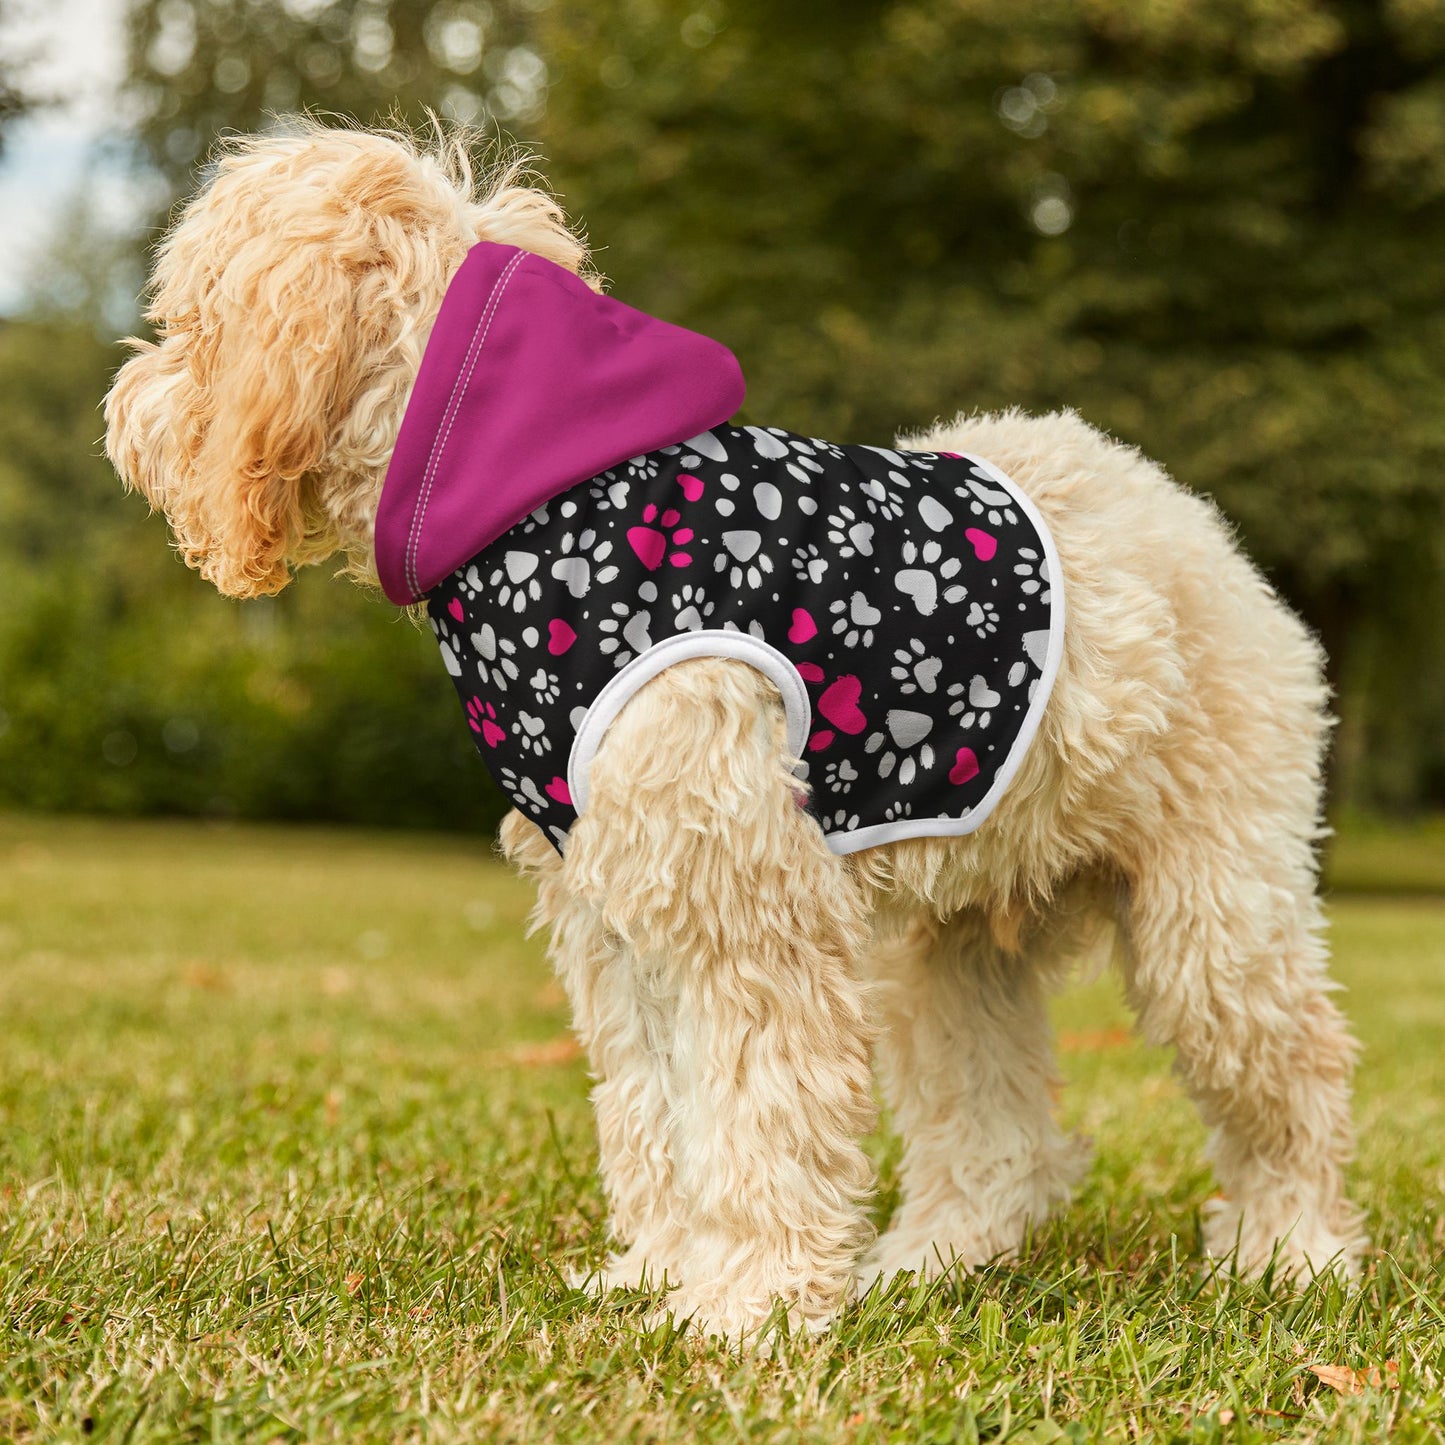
x: 292, y: 1147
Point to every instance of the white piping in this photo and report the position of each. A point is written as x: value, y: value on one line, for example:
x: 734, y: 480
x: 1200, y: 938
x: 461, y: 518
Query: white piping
x: 706, y: 642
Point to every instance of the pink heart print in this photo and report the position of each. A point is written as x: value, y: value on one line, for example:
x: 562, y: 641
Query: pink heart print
x: 560, y: 637
x: 691, y: 486
x: 457, y: 611
x: 821, y: 739
x: 839, y: 704
x: 965, y: 767
x: 984, y: 545
x: 803, y: 628
x: 559, y: 792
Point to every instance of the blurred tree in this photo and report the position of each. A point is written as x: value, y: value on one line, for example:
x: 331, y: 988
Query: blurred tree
x: 202, y: 67
x: 15, y: 97
x: 1217, y: 229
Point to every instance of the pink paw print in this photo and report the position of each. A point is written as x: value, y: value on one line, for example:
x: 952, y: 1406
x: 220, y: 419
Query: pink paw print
x: 483, y: 719
x: 651, y: 544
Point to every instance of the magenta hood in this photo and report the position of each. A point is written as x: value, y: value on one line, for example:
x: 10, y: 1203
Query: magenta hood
x: 531, y: 383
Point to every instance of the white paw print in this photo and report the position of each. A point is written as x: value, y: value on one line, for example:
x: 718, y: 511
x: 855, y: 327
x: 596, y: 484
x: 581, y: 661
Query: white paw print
x: 840, y: 776
x: 643, y: 467
x: 536, y: 519
x: 906, y: 733
x: 973, y: 702
x: 546, y: 686
x: 983, y: 618
x: 742, y: 560
x: 531, y: 733
x: 494, y: 657
x: 606, y: 492
x: 516, y: 785
x: 515, y: 581
x: 768, y: 443
x: 854, y: 620
x: 849, y: 533
x: 916, y: 670
x: 920, y: 583
x: 693, y: 608
x: 809, y: 564
x: 882, y: 500
x: 1031, y: 564
x: 897, y: 810
x: 626, y: 633
x: 843, y: 821
x: 573, y: 570
x: 986, y: 501
x: 447, y: 642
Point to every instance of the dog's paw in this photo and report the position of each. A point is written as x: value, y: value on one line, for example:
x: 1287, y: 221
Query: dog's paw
x: 757, y: 1325
x: 967, y: 1227
x: 1297, y: 1248
x: 899, y: 1253
x: 632, y: 1270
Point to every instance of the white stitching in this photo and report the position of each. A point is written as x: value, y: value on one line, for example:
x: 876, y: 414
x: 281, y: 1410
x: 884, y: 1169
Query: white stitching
x: 439, y: 442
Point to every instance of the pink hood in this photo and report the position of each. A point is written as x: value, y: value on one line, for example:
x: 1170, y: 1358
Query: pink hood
x: 531, y: 383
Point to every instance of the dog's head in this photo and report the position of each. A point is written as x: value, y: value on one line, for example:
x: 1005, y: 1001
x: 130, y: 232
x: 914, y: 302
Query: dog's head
x: 292, y: 300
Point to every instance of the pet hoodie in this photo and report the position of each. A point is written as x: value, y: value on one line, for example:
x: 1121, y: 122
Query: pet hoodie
x: 568, y: 498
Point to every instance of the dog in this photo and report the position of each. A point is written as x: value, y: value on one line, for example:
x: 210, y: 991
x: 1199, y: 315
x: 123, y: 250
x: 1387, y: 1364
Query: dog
x: 735, y: 954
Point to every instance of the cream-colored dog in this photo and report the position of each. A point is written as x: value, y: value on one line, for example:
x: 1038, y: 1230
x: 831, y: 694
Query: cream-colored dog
x: 729, y: 975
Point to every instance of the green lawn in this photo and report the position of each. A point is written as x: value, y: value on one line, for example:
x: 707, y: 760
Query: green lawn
x: 292, y: 1147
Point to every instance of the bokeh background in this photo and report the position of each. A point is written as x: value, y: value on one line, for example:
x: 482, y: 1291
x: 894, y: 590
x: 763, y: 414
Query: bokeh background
x: 1214, y: 227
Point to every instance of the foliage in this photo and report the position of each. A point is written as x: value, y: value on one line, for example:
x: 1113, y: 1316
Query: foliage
x: 127, y: 686
x: 280, y: 1158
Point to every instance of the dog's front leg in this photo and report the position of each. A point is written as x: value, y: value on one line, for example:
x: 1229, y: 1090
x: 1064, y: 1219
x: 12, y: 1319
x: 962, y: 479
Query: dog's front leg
x: 737, y: 932
x: 622, y: 1014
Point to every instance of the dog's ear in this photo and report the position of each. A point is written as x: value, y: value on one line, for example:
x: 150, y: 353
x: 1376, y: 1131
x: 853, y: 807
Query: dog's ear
x: 221, y: 423
x: 278, y: 353
x: 266, y: 361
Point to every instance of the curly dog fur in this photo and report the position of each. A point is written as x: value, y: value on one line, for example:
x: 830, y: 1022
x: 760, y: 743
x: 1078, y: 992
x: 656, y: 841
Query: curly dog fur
x: 731, y: 979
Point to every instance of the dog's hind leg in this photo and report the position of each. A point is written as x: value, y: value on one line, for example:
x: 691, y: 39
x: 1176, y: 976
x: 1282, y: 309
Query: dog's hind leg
x: 966, y: 1059
x: 741, y: 932
x: 1225, y: 961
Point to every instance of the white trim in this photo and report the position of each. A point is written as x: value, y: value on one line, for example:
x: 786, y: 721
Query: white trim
x: 872, y: 836
x: 706, y: 642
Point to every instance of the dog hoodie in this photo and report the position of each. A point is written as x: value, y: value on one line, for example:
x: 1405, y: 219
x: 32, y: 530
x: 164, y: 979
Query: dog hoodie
x: 569, y: 499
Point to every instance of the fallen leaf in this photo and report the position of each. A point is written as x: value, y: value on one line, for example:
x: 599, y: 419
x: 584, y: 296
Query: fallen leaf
x: 1347, y: 1381
x: 1096, y: 1041
x: 554, y: 1051
x: 354, y: 1283
x: 203, y: 975
x: 551, y: 995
